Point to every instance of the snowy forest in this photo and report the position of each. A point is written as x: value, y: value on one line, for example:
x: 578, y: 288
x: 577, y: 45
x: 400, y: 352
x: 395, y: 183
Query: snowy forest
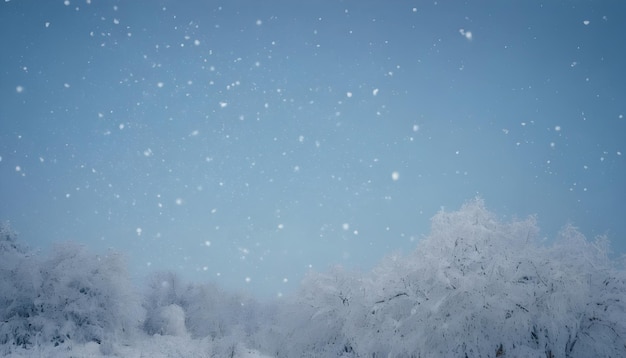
x: 476, y: 286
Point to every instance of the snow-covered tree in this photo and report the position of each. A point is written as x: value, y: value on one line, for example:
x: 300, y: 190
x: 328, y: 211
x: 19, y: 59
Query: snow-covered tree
x: 85, y: 297
x: 474, y: 287
x: 71, y: 296
x: 210, y: 311
x: 312, y: 323
x: 18, y: 277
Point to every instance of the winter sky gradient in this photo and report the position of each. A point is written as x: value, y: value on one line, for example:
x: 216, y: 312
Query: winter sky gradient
x: 246, y: 142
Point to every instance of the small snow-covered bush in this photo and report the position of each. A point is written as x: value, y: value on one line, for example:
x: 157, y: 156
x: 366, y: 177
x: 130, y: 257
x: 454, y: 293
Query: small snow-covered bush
x: 168, y: 320
x: 208, y: 311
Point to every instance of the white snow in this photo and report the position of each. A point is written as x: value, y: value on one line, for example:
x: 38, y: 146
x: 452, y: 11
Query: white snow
x: 467, y: 34
x: 157, y: 346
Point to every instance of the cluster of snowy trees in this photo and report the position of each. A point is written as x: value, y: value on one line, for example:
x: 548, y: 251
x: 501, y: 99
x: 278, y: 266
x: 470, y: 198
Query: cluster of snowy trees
x: 474, y: 287
x: 72, y: 295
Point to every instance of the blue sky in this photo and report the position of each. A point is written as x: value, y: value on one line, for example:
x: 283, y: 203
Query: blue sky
x: 247, y: 144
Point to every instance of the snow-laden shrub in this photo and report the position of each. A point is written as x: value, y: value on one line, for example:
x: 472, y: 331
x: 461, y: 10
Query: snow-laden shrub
x: 168, y: 320
x: 208, y: 310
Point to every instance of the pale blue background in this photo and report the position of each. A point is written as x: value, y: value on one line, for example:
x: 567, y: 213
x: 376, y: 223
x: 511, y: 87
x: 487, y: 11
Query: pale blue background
x: 158, y: 127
